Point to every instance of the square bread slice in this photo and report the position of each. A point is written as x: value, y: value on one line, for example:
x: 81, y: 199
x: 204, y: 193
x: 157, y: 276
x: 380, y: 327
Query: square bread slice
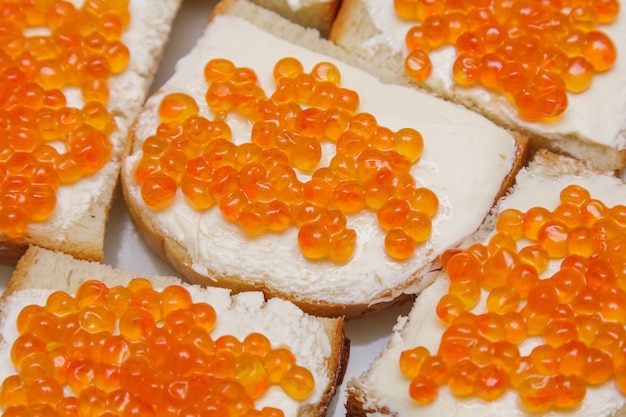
x: 591, y: 127
x: 384, y: 389
x: 43, y: 278
x: 76, y: 225
x: 467, y: 161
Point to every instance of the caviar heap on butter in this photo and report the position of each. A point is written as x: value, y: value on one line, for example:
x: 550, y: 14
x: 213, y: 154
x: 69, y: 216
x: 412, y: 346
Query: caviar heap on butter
x: 258, y: 184
x: 47, y: 47
x: 532, y: 52
x: 497, y: 300
x: 135, y: 351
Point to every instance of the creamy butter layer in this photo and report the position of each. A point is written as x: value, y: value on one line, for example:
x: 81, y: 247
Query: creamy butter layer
x: 422, y: 327
x: 144, y: 37
x: 595, y: 116
x: 302, y: 334
x: 465, y: 160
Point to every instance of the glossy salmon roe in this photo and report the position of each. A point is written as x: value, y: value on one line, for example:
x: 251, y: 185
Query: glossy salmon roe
x: 48, y: 142
x: 531, y: 52
x: 575, y: 316
x: 132, y: 350
x: 276, y: 180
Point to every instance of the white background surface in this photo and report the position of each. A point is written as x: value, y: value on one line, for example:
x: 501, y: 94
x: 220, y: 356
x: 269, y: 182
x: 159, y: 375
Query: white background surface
x: 125, y: 249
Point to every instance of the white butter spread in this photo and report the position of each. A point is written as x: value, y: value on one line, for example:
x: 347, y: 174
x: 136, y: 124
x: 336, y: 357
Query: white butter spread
x: 465, y: 160
x: 423, y: 327
x: 595, y: 116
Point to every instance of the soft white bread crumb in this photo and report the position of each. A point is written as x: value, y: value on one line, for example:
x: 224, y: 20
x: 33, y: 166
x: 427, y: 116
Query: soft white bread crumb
x: 78, y: 222
x: 383, y: 391
x: 318, y: 343
x: 316, y: 14
x: 592, y: 128
x: 207, y: 249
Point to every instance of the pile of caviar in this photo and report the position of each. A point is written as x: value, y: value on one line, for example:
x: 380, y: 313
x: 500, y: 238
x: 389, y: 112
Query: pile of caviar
x: 257, y: 185
x: 531, y: 51
x: 134, y: 351
x: 47, y: 47
x: 501, y: 296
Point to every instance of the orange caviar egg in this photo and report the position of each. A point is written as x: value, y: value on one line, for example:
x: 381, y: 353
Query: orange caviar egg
x: 158, y: 190
x: 466, y: 70
x: 219, y: 70
x: 288, y: 67
x: 463, y: 377
x: 503, y: 299
x: 423, y: 390
x: 497, y: 268
x: 537, y: 393
x: 463, y: 266
x: 450, y: 306
x: 553, y: 237
x: 177, y: 107
x: 409, y: 143
x: 418, y: 226
x: 406, y: 9
x: 568, y: 283
x: 490, y: 383
x: 435, y: 30
x: 326, y: 71
x: 297, y: 382
x: 411, y: 360
x: 522, y: 278
x: 599, y: 50
x: 577, y: 74
x: 398, y: 244
x: 277, y: 362
x: 417, y: 64
x: 314, y: 241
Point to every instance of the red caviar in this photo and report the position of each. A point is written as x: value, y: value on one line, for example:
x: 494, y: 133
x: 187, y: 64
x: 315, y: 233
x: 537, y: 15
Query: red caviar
x: 531, y: 52
x: 49, y: 144
x: 162, y: 358
x: 577, y: 313
x: 257, y: 185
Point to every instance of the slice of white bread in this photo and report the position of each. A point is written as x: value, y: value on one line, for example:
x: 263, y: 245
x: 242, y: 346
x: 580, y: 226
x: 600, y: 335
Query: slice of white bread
x: 317, y: 14
x: 591, y: 128
x: 319, y: 344
x: 384, y: 390
x: 467, y: 162
x: 77, y: 223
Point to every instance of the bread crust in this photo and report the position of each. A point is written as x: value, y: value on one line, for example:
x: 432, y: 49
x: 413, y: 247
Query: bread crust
x: 40, y: 268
